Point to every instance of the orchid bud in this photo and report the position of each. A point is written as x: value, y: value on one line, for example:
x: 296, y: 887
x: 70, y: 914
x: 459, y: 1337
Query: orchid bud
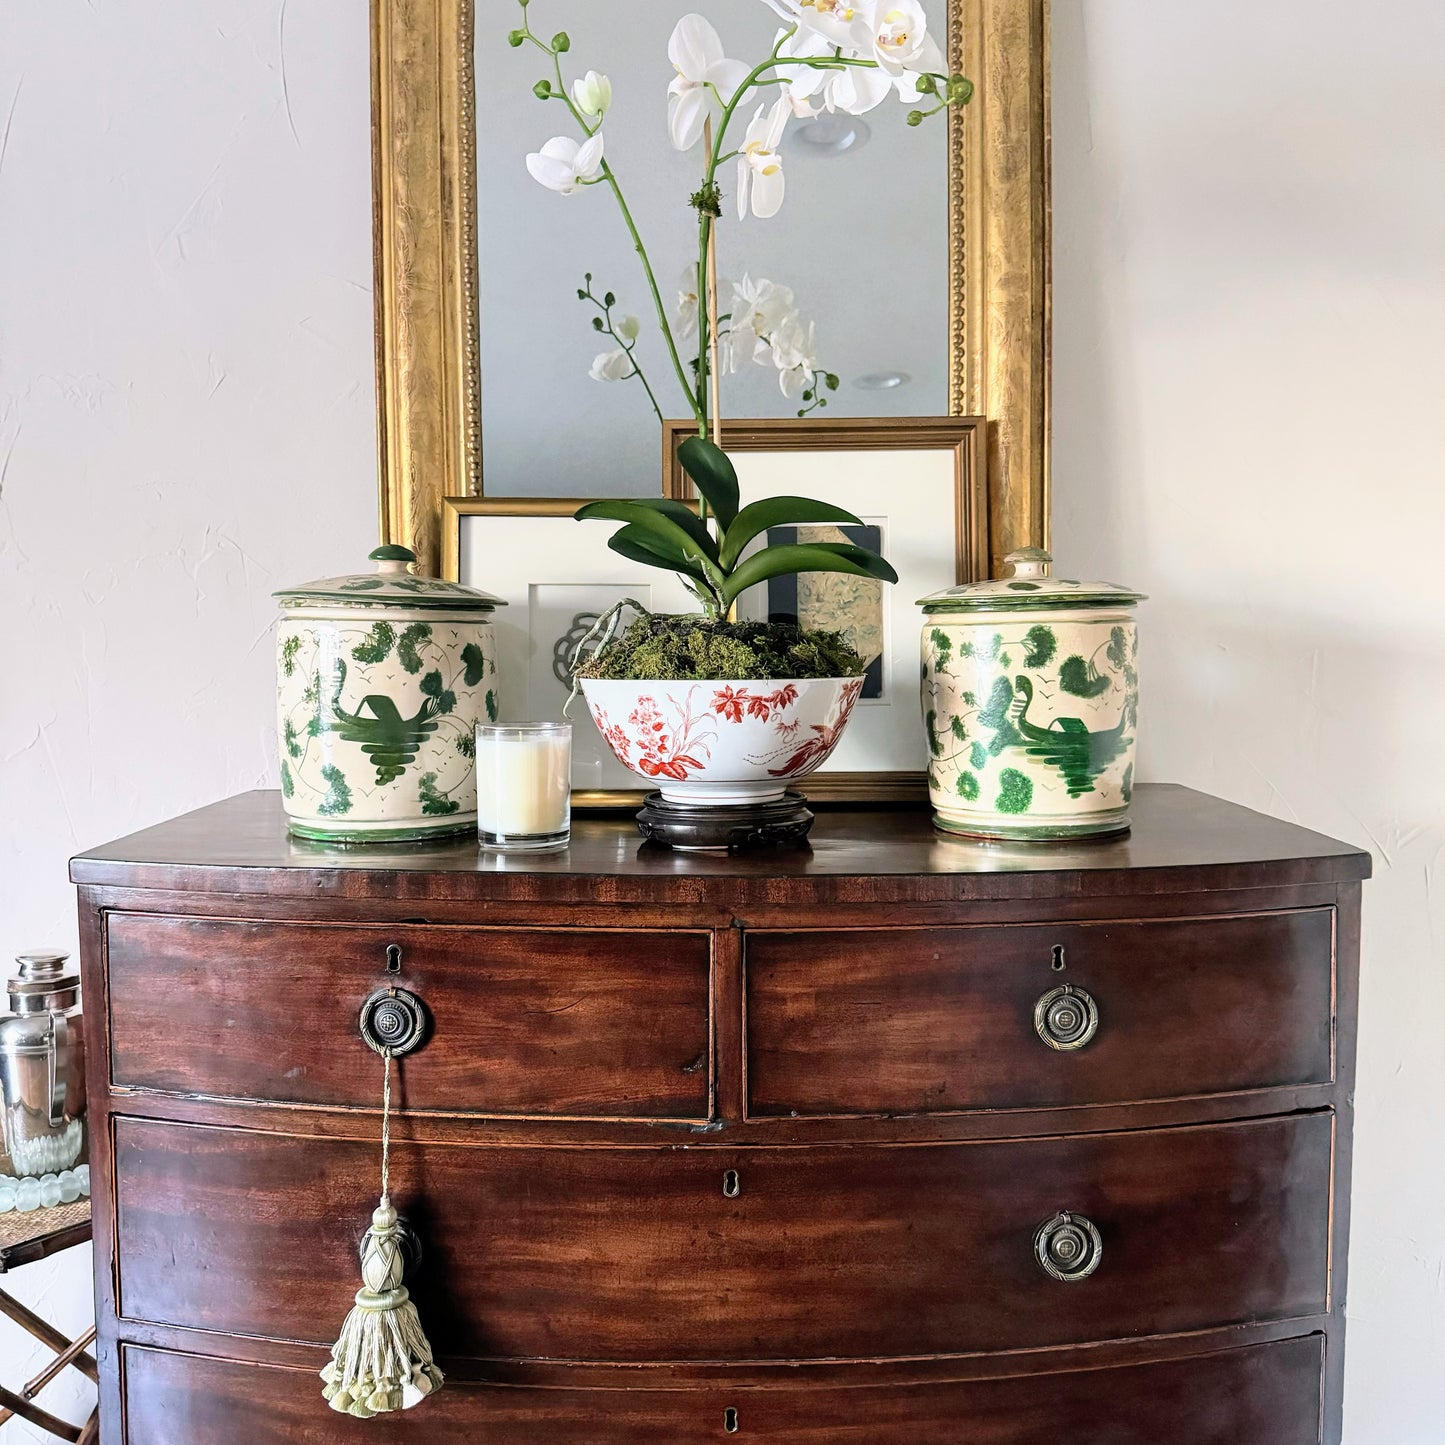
x: 543, y: 90
x: 560, y: 43
x: 517, y: 38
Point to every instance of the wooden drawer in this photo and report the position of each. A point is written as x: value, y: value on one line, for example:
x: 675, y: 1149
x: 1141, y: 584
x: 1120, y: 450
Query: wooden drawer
x: 1264, y: 1395
x: 909, y: 1021
x: 561, y: 1022
x: 634, y: 1254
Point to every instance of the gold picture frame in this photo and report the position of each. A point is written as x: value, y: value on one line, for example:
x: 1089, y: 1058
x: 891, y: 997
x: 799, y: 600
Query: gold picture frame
x: 962, y: 435
x: 427, y: 338
x: 455, y: 511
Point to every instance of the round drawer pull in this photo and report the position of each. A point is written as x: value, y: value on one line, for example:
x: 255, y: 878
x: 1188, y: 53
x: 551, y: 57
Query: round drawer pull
x: 393, y: 1019
x: 1068, y: 1247
x: 1066, y: 1018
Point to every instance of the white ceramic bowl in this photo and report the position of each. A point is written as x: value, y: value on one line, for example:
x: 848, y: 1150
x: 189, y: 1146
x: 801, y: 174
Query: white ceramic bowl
x: 722, y: 742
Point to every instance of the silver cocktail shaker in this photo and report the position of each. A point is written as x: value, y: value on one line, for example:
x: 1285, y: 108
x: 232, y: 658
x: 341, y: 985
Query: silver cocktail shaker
x: 42, y: 1069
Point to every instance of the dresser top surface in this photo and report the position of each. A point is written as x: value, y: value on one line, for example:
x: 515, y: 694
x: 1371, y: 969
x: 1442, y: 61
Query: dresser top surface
x: 1180, y: 839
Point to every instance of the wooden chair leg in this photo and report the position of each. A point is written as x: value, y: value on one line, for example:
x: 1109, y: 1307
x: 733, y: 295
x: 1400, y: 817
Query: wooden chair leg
x: 90, y: 1433
x: 65, y: 1357
x: 21, y: 1408
x: 47, y: 1334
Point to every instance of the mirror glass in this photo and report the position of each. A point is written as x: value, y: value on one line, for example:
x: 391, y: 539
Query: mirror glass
x: 861, y: 239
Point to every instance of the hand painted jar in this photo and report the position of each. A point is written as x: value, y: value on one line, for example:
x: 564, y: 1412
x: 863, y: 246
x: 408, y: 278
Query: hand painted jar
x: 381, y: 679
x: 1031, y: 703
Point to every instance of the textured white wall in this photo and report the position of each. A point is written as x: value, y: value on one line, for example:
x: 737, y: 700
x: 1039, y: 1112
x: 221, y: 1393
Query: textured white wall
x: 1250, y: 289
x: 1250, y: 293
x: 186, y: 422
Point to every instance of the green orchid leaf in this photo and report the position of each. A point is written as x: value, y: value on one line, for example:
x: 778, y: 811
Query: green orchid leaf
x: 757, y: 517
x: 690, y: 537
x: 805, y: 557
x: 713, y: 476
x: 685, y: 514
x: 638, y: 545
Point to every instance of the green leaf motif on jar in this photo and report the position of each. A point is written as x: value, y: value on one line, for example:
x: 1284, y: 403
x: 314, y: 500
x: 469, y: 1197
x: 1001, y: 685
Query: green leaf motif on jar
x: 942, y: 648
x: 466, y: 745
x: 378, y: 644
x: 967, y: 786
x: 338, y: 793
x: 406, y: 651
x: 491, y: 704
x: 978, y: 756
x: 289, y: 649
x: 476, y: 664
x: 956, y: 727
x: 1126, y: 784
x: 1015, y: 792
x: 288, y: 785
x: 444, y: 698
x: 1040, y: 645
x: 1083, y: 679
x: 433, y: 803
x: 935, y: 743
x: 293, y: 741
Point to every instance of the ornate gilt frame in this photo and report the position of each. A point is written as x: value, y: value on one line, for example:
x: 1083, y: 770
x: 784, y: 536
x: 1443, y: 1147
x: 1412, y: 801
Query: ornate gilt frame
x: 424, y: 181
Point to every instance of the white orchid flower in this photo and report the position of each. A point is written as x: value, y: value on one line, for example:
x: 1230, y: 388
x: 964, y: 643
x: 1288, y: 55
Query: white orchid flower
x: 612, y: 366
x: 563, y: 165
x: 628, y: 328
x: 758, y: 309
x: 804, y: 83
x: 795, y: 354
x: 706, y: 79
x: 592, y: 94
x: 844, y: 24
x: 760, y: 167
x: 900, y: 39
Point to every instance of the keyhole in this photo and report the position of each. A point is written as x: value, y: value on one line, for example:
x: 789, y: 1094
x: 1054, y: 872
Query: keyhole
x: 1057, y: 962
x: 732, y: 1187
x: 730, y: 1420
x: 393, y: 958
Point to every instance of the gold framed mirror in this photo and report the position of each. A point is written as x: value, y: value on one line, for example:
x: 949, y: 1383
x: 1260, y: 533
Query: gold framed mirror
x: 432, y: 311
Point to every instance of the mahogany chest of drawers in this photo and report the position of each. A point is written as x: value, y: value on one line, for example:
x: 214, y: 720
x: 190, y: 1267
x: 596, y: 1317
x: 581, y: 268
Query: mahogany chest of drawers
x: 902, y: 1140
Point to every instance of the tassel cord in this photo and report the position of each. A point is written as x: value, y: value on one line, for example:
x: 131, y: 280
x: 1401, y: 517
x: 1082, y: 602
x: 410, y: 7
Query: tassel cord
x: 386, y: 1126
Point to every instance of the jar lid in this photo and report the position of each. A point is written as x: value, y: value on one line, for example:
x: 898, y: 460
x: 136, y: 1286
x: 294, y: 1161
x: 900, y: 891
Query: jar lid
x: 42, y: 982
x: 1028, y: 587
x: 392, y: 585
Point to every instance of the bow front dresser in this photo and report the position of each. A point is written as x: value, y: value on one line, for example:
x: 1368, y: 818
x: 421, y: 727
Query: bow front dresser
x: 897, y: 1140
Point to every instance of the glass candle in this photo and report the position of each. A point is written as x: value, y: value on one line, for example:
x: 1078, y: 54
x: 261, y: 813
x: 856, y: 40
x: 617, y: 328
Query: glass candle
x: 524, y: 776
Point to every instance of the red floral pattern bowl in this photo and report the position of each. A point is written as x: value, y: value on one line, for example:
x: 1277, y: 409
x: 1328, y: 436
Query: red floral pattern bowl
x: 722, y: 742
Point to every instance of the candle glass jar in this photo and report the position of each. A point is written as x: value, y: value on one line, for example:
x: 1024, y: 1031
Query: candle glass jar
x: 524, y: 776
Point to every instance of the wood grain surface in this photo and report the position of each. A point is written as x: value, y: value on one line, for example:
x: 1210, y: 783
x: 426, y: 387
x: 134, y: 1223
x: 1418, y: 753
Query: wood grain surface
x: 930, y: 1020
x: 576, y: 1023
x: 636, y: 1254
x: 1266, y: 1395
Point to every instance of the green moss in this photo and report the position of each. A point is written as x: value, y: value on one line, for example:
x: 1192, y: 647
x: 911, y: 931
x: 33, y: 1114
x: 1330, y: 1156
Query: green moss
x: 690, y: 649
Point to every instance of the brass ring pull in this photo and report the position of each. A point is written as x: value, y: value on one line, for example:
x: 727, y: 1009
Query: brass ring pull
x: 1066, y: 1018
x: 1068, y: 1247
x: 393, y: 1018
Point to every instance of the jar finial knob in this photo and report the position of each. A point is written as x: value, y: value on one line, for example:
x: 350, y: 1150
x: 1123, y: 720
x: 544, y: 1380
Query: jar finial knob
x: 393, y: 561
x: 1029, y: 563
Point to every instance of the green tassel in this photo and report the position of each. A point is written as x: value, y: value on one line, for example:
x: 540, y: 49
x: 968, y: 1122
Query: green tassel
x: 381, y: 1361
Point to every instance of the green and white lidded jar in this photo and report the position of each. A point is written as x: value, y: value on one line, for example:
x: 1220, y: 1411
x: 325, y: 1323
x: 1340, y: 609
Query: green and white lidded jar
x: 1031, y: 702
x: 381, y: 678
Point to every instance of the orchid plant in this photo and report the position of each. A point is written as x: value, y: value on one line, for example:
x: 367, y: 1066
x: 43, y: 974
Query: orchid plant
x: 828, y: 55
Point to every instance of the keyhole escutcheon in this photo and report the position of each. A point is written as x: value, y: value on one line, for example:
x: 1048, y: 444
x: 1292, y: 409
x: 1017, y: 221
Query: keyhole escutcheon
x: 732, y: 1185
x: 730, y: 1420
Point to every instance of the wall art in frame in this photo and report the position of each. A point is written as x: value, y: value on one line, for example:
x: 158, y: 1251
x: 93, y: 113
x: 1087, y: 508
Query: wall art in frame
x: 918, y: 487
x: 558, y: 576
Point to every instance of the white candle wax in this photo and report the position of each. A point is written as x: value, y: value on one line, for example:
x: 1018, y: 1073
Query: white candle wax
x: 524, y: 784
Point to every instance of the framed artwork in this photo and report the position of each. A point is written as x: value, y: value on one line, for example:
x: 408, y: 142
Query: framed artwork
x: 558, y: 577
x: 919, y: 489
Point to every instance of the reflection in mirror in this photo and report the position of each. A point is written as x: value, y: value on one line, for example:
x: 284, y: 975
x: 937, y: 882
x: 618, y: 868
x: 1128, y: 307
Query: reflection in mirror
x: 861, y: 239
